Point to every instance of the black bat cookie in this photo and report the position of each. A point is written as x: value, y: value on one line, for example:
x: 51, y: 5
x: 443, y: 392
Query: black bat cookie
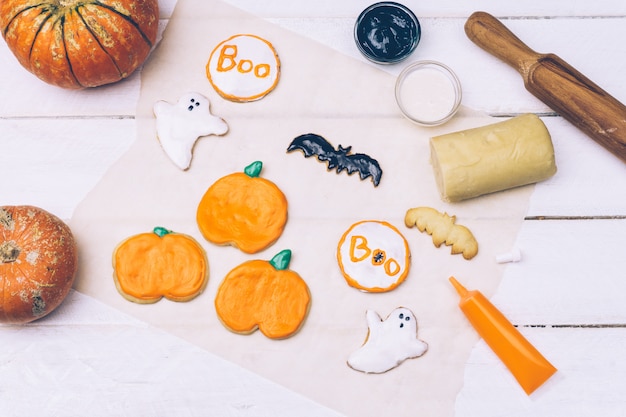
x: 311, y: 144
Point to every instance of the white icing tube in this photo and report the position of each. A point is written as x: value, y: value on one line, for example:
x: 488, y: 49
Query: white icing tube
x: 492, y: 158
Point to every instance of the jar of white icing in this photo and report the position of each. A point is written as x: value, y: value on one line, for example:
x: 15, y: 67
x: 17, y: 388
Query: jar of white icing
x: 428, y: 93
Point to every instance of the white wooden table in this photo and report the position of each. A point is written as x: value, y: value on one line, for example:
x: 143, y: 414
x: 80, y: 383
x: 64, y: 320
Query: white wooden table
x: 567, y: 294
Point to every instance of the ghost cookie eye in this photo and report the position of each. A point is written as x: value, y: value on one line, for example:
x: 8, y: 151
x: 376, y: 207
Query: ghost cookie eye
x: 193, y: 103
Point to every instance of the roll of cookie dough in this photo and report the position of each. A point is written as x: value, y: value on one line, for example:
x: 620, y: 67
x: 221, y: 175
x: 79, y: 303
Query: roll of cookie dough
x: 492, y: 158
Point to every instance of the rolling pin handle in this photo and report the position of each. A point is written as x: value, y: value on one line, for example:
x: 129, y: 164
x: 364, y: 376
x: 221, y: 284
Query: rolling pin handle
x: 491, y: 35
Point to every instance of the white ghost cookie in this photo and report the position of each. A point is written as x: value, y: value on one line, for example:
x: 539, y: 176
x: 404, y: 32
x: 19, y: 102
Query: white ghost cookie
x: 389, y: 342
x: 180, y: 125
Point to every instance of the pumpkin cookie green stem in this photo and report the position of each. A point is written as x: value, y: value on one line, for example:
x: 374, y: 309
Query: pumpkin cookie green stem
x: 161, y: 231
x: 281, y: 260
x: 254, y: 169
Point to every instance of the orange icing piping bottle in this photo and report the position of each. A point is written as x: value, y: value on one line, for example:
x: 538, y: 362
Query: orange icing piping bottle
x: 525, y: 362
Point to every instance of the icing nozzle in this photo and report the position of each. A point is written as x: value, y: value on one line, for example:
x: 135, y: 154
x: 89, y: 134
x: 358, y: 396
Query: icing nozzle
x: 513, y: 256
x: 458, y: 287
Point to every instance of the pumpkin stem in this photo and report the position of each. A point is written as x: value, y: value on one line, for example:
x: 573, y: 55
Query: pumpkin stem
x: 67, y: 3
x: 281, y: 260
x: 161, y: 231
x: 254, y: 169
x: 9, y: 252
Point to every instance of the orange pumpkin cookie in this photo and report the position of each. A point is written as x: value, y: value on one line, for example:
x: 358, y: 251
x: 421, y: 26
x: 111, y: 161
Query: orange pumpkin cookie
x: 243, y: 68
x: 263, y: 295
x: 243, y: 210
x: 373, y: 256
x: 150, y: 266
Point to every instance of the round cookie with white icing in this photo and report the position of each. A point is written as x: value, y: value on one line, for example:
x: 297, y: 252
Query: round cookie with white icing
x: 389, y: 342
x: 373, y: 256
x: 243, y: 68
x: 180, y: 125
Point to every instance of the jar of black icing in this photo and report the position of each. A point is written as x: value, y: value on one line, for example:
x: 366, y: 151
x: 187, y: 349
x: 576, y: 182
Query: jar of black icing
x: 387, y: 32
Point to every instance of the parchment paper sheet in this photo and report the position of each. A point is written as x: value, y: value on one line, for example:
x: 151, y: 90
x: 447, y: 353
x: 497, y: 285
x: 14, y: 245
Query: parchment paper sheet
x: 350, y: 103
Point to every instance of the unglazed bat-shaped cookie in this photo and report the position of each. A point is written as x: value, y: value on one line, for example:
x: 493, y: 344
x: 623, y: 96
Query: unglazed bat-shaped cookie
x: 443, y: 229
x: 180, y: 125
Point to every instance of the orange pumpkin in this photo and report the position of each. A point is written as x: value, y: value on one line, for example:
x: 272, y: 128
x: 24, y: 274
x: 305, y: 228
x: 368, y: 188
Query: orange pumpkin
x: 80, y: 43
x: 150, y: 266
x: 263, y: 295
x: 243, y: 210
x: 38, y: 262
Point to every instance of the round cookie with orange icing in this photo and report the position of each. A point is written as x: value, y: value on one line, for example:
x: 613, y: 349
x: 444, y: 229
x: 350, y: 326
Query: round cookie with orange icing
x: 373, y: 256
x: 150, y: 266
x: 263, y: 295
x: 243, y: 68
x: 243, y: 210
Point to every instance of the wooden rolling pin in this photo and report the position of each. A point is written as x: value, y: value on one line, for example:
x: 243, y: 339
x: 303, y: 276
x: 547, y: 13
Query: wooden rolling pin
x: 553, y: 81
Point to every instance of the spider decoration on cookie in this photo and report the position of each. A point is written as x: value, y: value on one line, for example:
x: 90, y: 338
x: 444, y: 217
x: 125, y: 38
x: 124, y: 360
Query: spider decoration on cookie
x: 379, y: 257
x: 340, y: 159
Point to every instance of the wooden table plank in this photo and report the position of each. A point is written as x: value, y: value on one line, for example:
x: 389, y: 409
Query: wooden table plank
x: 488, y: 84
x: 53, y: 163
x: 86, y: 359
x: 533, y: 8
x: 589, y: 381
x: 571, y: 273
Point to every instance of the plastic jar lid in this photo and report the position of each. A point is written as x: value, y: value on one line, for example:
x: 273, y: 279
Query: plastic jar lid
x: 387, y: 32
x: 428, y: 93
